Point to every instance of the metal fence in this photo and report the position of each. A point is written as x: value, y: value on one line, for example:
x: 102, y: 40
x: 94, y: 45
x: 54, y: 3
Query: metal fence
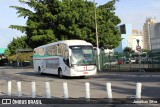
x: 130, y: 62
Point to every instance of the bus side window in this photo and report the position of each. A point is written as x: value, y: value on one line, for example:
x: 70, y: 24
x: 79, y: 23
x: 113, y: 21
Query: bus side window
x: 52, y: 50
x: 60, y: 46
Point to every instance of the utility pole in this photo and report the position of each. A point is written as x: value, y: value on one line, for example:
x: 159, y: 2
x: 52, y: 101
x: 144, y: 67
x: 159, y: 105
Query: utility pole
x: 98, y: 51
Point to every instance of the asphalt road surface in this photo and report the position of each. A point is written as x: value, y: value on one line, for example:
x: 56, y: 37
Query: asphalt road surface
x: 123, y: 84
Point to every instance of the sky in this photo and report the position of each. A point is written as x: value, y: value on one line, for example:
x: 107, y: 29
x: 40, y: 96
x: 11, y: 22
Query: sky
x: 132, y: 12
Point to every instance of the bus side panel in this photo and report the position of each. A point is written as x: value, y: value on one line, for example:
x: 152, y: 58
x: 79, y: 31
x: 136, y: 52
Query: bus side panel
x: 36, y: 64
x: 51, y: 65
x: 64, y: 67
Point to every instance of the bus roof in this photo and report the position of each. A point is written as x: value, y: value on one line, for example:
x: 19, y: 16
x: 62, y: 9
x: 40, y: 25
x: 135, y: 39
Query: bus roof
x: 75, y: 42
x: 69, y: 43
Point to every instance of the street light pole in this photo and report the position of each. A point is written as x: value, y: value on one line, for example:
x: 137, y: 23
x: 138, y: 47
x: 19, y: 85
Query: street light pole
x: 98, y: 51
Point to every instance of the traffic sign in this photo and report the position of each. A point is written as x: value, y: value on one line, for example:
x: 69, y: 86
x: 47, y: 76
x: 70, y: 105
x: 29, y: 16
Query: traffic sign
x: 138, y: 48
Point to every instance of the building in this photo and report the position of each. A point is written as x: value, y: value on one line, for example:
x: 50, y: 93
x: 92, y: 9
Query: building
x: 126, y: 31
x: 147, y: 33
x: 132, y: 40
x: 155, y: 36
x: 2, y: 50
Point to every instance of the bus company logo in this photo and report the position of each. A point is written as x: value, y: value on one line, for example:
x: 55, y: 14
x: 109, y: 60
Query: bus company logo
x: 6, y: 101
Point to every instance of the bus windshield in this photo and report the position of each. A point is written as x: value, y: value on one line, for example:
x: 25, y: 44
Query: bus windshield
x: 82, y: 55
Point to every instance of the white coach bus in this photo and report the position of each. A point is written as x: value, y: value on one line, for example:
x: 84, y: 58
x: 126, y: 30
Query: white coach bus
x: 65, y: 58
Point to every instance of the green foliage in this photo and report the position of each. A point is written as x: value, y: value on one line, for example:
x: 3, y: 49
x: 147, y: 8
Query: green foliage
x: 109, y: 35
x: 7, y: 52
x: 53, y: 20
x: 24, y: 56
x: 17, y: 43
x: 20, y: 28
x: 128, y: 50
x: 21, y: 57
x: 145, y: 50
x: 12, y: 57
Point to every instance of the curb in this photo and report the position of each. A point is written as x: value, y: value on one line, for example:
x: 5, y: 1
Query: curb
x: 138, y: 75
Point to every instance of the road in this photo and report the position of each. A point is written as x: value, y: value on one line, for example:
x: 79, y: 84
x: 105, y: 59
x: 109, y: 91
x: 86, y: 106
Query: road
x: 123, y: 84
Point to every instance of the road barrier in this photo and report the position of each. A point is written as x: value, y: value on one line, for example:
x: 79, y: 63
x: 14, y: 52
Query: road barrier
x: 65, y: 90
x: 109, y: 91
x: 87, y: 87
x: 138, y: 90
x: 33, y: 89
x: 19, y: 91
x: 48, y: 90
x: 9, y: 88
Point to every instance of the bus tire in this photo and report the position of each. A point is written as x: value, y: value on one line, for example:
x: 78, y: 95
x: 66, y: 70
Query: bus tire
x: 83, y: 77
x: 39, y: 70
x: 60, y: 74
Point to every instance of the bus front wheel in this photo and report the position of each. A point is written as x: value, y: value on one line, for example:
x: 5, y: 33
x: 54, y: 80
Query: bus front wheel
x: 60, y: 74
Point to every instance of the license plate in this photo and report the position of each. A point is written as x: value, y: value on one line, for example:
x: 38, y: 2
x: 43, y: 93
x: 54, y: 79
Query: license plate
x: 85, y: 72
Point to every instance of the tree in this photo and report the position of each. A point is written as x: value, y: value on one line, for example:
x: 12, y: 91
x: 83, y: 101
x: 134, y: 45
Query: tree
x: 16, y: 43
x: 53, y: 20
x: 128, y: 50
x: 146, y: 50
x: 7, y: 52
x: 109, y: 35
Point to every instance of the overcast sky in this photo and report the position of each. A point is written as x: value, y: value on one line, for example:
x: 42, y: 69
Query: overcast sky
x: 129, y: 11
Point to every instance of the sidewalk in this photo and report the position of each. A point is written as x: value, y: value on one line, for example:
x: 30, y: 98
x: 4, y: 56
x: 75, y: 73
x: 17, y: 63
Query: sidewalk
x: 130, y: 74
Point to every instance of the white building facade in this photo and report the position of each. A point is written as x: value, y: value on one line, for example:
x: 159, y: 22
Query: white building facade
x: 147, y: 34
x: 132, y: 40
x: 155, y: 36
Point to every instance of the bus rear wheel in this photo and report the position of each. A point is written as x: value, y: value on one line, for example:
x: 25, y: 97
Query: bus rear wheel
x: 39, y: 71
x: 60, y: 74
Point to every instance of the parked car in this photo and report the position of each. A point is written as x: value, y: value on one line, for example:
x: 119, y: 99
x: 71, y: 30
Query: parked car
x: 130, y: 60
x: 127, y: 60
x: 120, y: 62
x: 112, y: 63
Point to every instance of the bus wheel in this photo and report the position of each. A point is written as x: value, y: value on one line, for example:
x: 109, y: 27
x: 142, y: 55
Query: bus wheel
x: 60, y: 74
x: 39, y: 71
x: 83, y: 77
